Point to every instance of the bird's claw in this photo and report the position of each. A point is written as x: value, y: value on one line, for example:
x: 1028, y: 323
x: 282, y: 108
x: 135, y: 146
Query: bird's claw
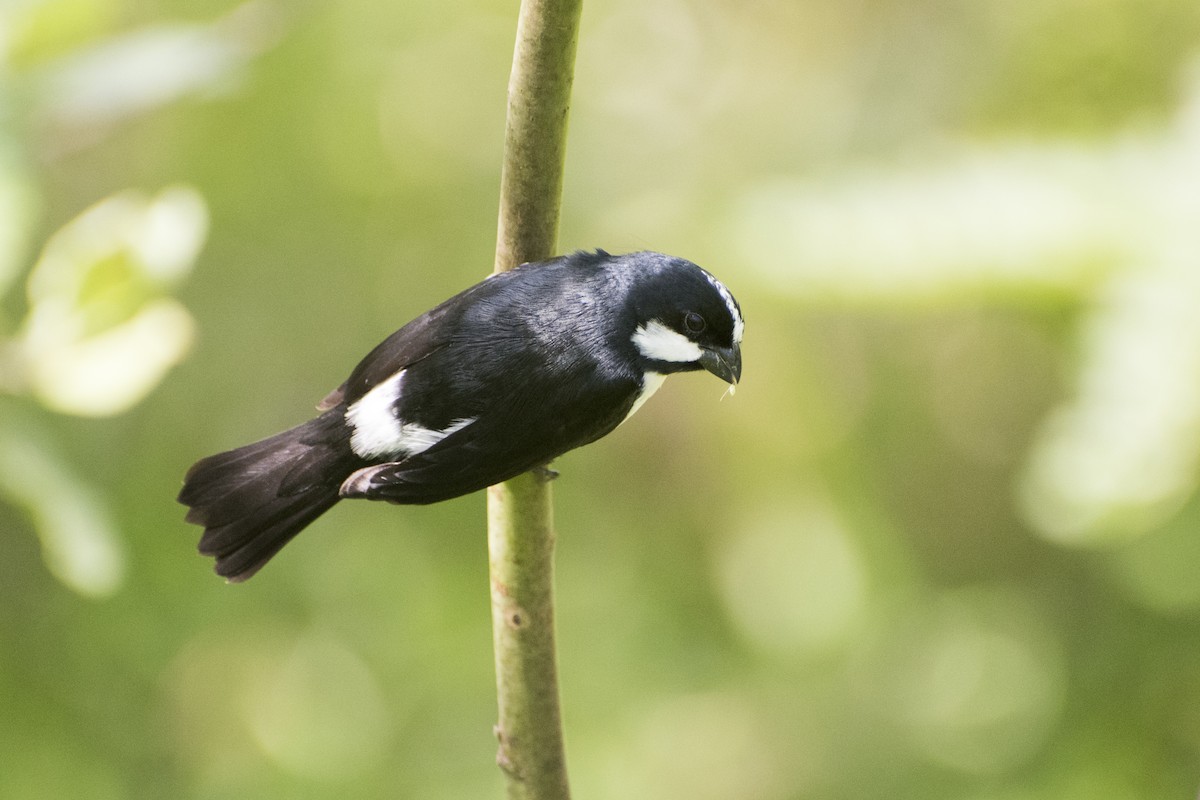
x: 544, y: 473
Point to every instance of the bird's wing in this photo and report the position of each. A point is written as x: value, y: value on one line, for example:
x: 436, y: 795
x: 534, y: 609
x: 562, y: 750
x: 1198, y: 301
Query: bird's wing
x: 414, y: 342
x: 495, y: 447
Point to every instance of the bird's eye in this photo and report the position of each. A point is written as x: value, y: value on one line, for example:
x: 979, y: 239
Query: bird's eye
x: 693, y: 322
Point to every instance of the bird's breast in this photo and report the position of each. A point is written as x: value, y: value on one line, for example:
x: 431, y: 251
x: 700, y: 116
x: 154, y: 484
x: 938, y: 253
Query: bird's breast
x: 650, y: 383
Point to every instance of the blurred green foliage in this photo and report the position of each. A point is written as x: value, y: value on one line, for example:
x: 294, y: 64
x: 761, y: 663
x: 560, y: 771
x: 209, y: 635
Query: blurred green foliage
x: 942, y: 543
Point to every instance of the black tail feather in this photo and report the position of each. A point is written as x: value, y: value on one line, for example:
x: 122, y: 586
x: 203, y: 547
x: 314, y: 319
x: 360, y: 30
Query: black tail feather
x: 253, y: 500
x: 251, y: 543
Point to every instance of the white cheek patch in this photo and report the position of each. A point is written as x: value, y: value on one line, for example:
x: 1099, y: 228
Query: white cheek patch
x: 658, y: 342
x: 650, y: 383
x: 379, y: 432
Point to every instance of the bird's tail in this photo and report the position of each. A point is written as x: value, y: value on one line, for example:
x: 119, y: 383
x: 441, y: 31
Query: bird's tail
x: 253, y: 500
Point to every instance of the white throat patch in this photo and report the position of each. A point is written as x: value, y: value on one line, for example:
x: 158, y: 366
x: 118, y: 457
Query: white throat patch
x: 658, y: 342
x: 651, y: 381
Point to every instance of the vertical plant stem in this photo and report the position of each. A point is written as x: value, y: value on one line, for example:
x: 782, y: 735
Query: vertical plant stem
x: 535, y: 136
x: 521, y: 548
x: 520, y: 518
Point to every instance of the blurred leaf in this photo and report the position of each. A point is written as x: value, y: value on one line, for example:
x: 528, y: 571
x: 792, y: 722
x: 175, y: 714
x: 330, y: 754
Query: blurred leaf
x: 148, y: 68
x: 1122, y: 456
x: 114, y: 370
x: 17, y: 204
x: 79, y: 540
x: 41, y: 29
x: 1050, y: 217
x: 101, y: 331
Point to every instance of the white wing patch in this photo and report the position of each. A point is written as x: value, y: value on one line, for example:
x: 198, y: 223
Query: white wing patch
x: 656, y: 341
x: 379, y: 432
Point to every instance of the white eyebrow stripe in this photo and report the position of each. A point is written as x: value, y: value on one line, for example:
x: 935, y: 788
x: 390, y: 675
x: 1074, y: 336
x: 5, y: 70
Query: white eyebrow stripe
x: 379, y: 432
x: 739, y: 324
x: 656, y: 341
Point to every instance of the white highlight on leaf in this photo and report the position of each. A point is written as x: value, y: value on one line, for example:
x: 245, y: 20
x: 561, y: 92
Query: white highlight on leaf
x: 379, y: 432
x: 1120, y: 457
x: 112, y: 371
x: 102, y: 330
x: 155, y: 65
x: 656, y: 341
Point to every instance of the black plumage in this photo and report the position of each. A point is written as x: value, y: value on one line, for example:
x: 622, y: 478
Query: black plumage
x: 497, y: 380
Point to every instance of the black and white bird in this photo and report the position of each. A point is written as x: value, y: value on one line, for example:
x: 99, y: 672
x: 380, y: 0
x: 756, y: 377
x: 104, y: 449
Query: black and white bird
x: 497, y: 380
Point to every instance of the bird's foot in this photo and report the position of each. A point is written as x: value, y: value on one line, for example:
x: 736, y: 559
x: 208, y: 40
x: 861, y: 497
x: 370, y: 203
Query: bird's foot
x: 544, y: 473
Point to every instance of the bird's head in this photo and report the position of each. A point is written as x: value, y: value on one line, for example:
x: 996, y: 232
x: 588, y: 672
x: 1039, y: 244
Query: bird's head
x: 685, y: 319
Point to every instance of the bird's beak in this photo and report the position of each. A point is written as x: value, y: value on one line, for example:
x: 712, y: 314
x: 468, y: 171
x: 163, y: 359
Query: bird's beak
x: 724, y: 362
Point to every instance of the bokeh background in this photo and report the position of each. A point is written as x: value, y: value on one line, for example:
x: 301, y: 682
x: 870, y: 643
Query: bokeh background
x: 943, y: 542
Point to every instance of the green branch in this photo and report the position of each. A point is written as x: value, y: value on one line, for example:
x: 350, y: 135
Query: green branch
x: 535, y: 136
x: 520, y: 518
